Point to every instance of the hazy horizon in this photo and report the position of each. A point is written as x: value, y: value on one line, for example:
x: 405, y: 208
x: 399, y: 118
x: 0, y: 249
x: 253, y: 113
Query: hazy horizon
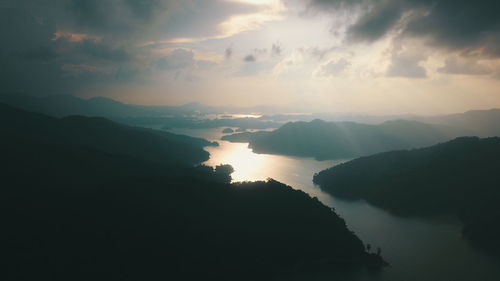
x: 371, y: 57
x: 271, y: 109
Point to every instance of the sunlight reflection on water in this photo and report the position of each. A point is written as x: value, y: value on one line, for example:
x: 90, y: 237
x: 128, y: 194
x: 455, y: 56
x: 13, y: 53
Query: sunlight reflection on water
x: 250, y: 166
x: 247, y: 165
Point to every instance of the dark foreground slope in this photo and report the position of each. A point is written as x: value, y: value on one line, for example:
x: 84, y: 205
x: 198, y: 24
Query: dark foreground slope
x: 458, y: 177
x: 77, y: 212
x: 337, y: 140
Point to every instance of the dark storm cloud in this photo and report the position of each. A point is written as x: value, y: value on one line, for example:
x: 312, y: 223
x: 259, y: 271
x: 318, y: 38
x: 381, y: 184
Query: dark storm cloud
x: 112, y: 17
x: 62, y: 46
x: 42, y: 53
x: 462, y: 25
x: 144, y: 9
x: 32, y: 51
x: 376, y: 23
x: 26, y: 51
x: 103, y: 51
x: 91, y: 12
x: 455, y: 24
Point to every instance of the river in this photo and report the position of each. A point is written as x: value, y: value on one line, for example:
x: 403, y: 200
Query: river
x: 418, y: 249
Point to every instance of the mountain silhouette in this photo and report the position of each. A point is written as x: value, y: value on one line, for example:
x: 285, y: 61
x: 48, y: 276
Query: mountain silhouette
x: 87, y: 198
x: 102, y: 134
x: 481, y: 123
x: 183, y: 116
x: 340, y: 140
x: 64, y: 105
x: 458, y: 177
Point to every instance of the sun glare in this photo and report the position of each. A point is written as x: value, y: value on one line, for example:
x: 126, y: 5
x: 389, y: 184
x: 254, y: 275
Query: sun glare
x: 247, y: 165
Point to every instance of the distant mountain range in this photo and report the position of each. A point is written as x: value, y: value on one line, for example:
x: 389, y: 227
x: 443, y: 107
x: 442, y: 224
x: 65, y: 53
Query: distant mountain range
x: 341, y: 140
x: 191, y: 115
x: 459, y: 177
x: 64, y: 105
x: 482, y: 123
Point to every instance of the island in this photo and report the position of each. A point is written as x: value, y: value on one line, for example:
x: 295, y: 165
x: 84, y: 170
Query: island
x: 458, y: 178
x: 227, y: 131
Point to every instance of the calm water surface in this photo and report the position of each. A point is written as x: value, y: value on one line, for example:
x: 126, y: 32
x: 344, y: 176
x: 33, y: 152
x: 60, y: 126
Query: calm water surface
x: 418, y: 249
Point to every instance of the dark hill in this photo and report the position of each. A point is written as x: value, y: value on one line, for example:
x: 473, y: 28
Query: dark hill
x: 102, y: 134
x: 337, y: 140
x: 459, y: 177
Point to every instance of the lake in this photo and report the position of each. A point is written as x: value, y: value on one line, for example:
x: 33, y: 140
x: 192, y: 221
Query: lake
x: 417, y: 249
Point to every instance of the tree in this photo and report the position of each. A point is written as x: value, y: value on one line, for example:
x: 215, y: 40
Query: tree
x: 223, y: 173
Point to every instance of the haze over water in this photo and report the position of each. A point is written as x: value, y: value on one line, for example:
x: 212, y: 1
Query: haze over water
x: 417, y: 249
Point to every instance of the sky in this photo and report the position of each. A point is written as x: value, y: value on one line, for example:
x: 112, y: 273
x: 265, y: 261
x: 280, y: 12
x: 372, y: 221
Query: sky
x: 357, y: 56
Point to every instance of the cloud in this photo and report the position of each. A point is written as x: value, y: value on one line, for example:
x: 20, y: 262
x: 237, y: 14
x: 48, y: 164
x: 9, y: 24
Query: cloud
x: 144, y: 9
x: 406, y: 65
x: 74, y: 37
x: 205, y: 64
x: 260, y: 68
x: 41, y: 53
x: 177, y: 59
x: 276, y: 50
x: 334, y: 67
x: 103, y: 51
x: 405, y: 57
x: 142, y: 21
x: 45, y: 41
x: 260, y: 51
x: 458, y: 65
x: 320, y: 53
x: 375, y: 23
x: 250, y: 58
x: 253, y: 18
x: 115, y: 18
x: 156, y: 46
x: 462, y: 25
x: 79, y: 69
